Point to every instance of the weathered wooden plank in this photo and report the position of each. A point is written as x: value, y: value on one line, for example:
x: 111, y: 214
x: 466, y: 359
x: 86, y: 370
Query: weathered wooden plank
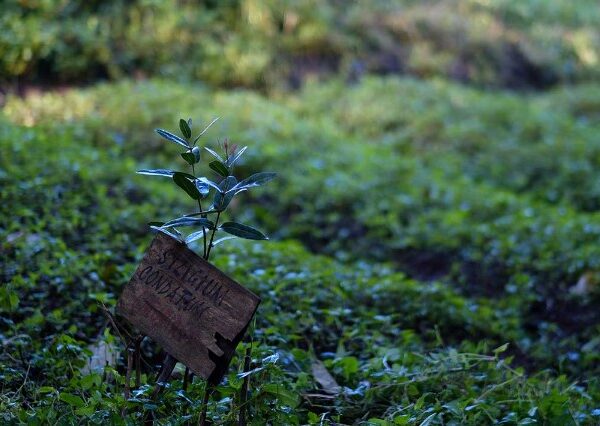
x: 193, y: 310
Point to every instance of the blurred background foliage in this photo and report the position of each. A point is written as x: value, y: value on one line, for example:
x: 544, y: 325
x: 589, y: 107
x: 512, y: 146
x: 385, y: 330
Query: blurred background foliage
x: 438, y: 197
x: 279, y: 43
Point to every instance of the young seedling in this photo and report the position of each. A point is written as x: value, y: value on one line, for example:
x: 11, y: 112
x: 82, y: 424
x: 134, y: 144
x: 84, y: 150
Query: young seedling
x: 205, y: 223
x: 221, y: 190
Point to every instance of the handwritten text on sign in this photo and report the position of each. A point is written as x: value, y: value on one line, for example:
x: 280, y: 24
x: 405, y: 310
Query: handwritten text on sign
x: 193, y: 310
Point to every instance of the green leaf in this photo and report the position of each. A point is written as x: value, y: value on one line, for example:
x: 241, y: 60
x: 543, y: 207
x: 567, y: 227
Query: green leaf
x: 187, y: 185
x: 196, y: 152
x: 227, y: 184
x: 202, y: 213
x: 219, y: 167
x: 185, y: 128
x: 209, y: 183
x: 156, y: 172
x: 243, y: 231
x: 71, y: 399
x: 202, y: 187
x: 171, y: 137
x: 87, y: 382
x: 220, y: 240
x: 205, y: 129
x: 373, y: 421
x: 13, y: 300
x: 163, y: 172
x: 189, y: 157
x: 231, y: 160
x: 284, y: 395
x: 429, y: 420
x: 256, y: 179
x: 501, y: 349
x: 85, y: 411
x: 195, y: 236
x: 214, y: 154
x: 219, y: 202
x: 189, y: 221
x: 175, y: 235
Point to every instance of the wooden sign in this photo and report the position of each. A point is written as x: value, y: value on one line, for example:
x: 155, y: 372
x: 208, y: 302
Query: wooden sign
x: 193, y: 310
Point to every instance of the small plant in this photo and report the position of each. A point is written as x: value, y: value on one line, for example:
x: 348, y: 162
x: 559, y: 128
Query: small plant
x: 199, y: 188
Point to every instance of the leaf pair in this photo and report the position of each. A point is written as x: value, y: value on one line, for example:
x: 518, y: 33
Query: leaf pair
x: 199, y: 187
x: 233, y: 228
x: 186, y: 131
x: 221, y: 165
x: 189, y: 221
x: 169, y: 227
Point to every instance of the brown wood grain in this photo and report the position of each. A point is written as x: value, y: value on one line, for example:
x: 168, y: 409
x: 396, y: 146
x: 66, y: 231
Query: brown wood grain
x: 192, y: 309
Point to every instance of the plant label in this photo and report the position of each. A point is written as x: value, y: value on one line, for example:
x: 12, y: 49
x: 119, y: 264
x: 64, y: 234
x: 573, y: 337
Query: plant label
x: 193, y: 310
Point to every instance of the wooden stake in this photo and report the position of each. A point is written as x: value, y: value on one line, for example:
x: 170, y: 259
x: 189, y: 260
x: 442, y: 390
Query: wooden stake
x: 185, y: 378
x: 207, y: 392
x: 165, y: 372
x: 127, y: 391
x: 245, y: 386
x: 138, y: 356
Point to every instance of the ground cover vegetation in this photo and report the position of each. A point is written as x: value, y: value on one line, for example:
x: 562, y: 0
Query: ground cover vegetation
x: 434, y: 253
x: 278, y: 43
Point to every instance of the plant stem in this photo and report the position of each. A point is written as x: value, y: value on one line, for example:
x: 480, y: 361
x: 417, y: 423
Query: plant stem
x: 203, y: 228
x: 200, y: 211
x: 212, y: 237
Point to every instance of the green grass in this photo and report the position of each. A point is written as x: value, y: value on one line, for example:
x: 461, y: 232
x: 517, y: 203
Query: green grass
x: 434, y: 246
x: 419, y: 225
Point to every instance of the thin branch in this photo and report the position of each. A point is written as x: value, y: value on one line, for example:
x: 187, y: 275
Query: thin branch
x: 212, y: 237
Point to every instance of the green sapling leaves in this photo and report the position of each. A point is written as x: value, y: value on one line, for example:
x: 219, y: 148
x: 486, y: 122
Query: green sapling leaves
x: 156, y: 172
x: 219, y: 167
x: 209, y: 183
x: 189, y: 157
x: 186, y: 131
x: 243, y: 231
x: 231, y: 160
x: 187, y: 185
x: 196, y: 152
x: 205, y: 129
x: 214, y: 154
x: 224, y: 196
x: 189, y: 221
x: 256, y: 179
x: 220, y: 240
x: 173, y: 138
x: 200, y: 187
